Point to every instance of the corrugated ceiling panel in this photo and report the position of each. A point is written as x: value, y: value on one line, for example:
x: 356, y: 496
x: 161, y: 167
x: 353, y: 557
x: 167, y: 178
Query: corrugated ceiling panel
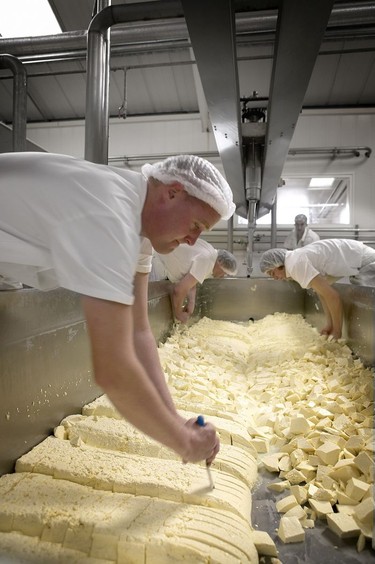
x: 346, y: 79
x: 351, y: 78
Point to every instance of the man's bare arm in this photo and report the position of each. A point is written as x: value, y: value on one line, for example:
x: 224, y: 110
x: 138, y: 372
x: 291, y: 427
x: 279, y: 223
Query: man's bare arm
x: 122, y: 377
x: 144, y: 341
x: 332, y: 306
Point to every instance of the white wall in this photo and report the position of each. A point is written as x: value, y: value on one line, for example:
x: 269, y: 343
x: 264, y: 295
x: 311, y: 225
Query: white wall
x: 184, y: 134
x: 340, y: 129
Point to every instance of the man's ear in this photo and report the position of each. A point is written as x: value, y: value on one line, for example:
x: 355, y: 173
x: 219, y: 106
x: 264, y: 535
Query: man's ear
x: 175, y: 189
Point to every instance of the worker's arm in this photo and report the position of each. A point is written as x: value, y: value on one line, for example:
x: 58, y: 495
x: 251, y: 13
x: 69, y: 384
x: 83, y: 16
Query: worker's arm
x: 332, y: 306
x: 144, y: 341
x: 120, y: 374
x: 184, y: 289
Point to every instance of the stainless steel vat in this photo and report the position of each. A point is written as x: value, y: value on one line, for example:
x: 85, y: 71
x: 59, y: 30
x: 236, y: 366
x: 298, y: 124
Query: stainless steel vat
x: 45, y: 368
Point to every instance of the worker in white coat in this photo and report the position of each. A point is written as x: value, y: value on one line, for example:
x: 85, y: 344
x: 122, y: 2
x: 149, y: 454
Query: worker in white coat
x: 91, y: 228
x: 301, y: 235
x: 320, y: 264
x: 187, y: 266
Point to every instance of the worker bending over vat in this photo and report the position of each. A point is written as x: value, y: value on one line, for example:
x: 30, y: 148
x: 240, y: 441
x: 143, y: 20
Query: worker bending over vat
x: 188, y: 265
x: 301, y: 235
x: 90, y: 228
x: 319, y: 265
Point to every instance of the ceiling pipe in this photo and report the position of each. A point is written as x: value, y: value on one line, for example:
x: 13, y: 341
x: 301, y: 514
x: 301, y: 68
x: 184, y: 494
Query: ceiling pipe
x: 97, y: 84
x: 19, y: 100
x: 181, y: 63
x: 97, y: 90
x: 172, y: 32
x: 333, y: 151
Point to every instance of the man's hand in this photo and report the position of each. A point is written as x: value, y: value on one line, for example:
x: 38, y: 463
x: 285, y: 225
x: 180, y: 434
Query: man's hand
x: 183, y: 298
x: 329, y: 332
x: 204, y: 443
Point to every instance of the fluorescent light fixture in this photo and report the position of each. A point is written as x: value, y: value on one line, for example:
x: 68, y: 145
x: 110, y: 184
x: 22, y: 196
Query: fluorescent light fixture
x: 325, y: 205
x: 321, y: 182
x: 27, y: 18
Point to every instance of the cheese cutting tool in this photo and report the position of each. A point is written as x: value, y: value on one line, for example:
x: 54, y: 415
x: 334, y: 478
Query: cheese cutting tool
x: 201, y: 422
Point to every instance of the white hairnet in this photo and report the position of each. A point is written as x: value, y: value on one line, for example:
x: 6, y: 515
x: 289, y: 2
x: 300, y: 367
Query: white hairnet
x: 272, y: 259
x: 301, y: 217
x: 199, y: 178
x: 227, y: 261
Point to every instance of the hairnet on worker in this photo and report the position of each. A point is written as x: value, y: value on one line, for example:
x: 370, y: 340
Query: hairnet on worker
x: 272, y: 259
x: 300, y: 217
x: 199, y: 178
x: 227, y: 261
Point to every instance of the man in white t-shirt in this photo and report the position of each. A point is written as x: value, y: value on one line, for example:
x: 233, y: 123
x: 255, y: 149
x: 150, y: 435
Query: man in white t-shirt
x: 90, y: 228
x: 186, y: 266
x: 301, y: 235
x: 320, y: 264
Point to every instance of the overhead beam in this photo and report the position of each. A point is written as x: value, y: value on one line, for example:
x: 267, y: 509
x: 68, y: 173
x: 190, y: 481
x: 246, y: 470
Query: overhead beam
x: 212, y: 37
x: 301, y: 25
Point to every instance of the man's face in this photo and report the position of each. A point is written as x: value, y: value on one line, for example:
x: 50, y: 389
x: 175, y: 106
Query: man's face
x: 300, y: 226
x: 217, y: 271
x: 181, y: 219
x: 277, y: 273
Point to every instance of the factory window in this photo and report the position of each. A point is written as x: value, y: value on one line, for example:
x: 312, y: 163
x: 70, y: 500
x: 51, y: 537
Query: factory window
x: 26, y: 18
x: 324, y: 200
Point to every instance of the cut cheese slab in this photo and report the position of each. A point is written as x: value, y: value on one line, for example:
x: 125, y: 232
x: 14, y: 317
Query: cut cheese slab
x: 16, y: 548
x: 119, y: 435
x: 138, y: 475
x: 290, y: 530
x: 102, y: 406
x: 106, y: 525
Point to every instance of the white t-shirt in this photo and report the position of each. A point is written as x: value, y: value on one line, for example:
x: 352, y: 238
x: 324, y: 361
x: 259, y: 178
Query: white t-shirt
x: 71, y: 223
x: 197, y: 260
x: 330, y: 257
x: 309, y: 236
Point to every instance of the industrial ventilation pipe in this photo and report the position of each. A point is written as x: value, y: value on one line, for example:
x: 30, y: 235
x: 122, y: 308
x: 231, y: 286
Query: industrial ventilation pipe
x: 98, y: 55
x: 19, y: 100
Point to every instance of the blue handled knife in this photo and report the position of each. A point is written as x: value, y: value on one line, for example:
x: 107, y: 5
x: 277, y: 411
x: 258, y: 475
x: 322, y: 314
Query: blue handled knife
x: 201, y: 422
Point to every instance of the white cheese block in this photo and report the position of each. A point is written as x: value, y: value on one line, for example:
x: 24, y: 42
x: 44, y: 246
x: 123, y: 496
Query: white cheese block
x: 364, y: 511
x: 138, y: 475
x: 16, y: 548
x: 120, y: 436
x: 328, y: 452
x: 290, y: 530
x: 286, y: 503
x: 100, y: 524
x: 343, y: 525
x: 264, y: 544
x: 322, y: 508
x: 356, y: 489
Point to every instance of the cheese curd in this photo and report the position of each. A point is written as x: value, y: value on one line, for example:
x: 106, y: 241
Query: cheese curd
x: 279, y: 394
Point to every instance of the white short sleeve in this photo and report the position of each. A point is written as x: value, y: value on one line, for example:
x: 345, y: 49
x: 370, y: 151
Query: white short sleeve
x: 104, y: 269
x: 299, y: 267
x: 145, y: 256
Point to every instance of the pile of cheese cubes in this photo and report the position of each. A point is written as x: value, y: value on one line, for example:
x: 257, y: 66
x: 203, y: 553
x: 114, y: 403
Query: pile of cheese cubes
x: 307, y: 403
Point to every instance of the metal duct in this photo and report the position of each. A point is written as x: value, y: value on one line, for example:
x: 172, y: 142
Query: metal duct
x: 97, y: 86
x: 19, y: 100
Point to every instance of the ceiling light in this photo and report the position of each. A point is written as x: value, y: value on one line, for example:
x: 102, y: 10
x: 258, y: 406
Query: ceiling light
x: 321, y: 182
x: 23, y: 18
